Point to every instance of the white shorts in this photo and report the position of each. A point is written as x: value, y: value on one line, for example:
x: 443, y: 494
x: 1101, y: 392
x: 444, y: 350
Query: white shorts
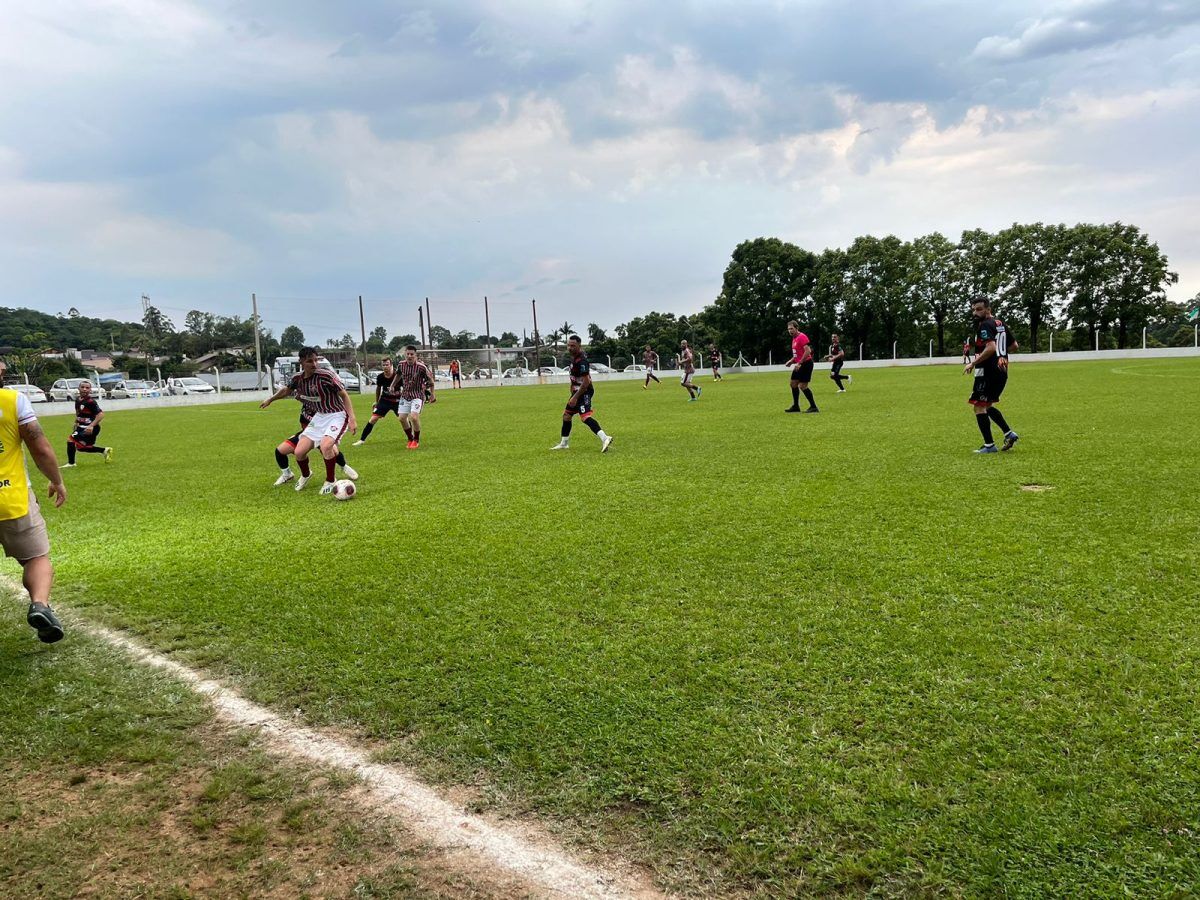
x: 407, y: 407
x: 325, y: 425
x: 686, y: 378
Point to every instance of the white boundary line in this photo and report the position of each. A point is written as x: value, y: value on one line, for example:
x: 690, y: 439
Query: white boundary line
x: 546, y: 870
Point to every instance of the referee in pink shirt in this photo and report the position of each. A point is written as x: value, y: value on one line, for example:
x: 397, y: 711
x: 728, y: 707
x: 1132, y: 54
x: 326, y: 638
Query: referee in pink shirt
x: 802, y: 369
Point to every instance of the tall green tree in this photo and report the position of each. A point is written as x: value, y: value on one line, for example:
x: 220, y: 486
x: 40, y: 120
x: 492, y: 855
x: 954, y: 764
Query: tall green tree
x: 1139, y: 279
x: 292, y: 338
x: 878, y: 302
x: 931, y: 283
x: 1028, y: 267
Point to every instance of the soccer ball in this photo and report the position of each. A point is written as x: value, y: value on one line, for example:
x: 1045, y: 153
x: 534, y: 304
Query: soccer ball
x: 344, y: 489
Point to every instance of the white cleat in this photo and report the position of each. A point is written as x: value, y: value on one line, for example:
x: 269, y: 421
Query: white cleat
x: 561, y: 446
x: 302, y: 481
x: 327, y: 487
x: 605, y: 444
x: 67, y: 466
x: 358, y: 443
x: 350, y: 473
x: 284, y: 477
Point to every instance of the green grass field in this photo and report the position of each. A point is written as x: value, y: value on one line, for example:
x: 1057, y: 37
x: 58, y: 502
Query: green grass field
x: 753, y: 651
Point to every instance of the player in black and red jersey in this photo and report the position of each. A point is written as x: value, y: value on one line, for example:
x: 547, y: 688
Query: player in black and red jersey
x: 649, y: 360
x: 714, y: 361
x: 326, y: 403
x: 837, y: 356
x: 580, y: 404
x: 414, y: 386
x: 88, y: 415
x: 990, y: 347
x: 387, y: 400
x: 288, y: 446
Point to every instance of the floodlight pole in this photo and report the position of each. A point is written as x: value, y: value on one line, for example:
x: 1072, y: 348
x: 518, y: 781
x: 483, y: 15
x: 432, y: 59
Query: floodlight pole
x: 257, y: 345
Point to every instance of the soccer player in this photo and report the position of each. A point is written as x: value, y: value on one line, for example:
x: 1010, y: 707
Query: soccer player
x: 837, y: 356
x: 326, y: 402
x: 288, y: 446
x: 990, y: 346
x: 455, y: 374
x: 386, y: 401
x: 580, y: 404
x: 414, y: 384
x: 648, y: 360
x: 687, y: 362
x: 87, y: 427
x: 802, y: 369
x: 714, y: 360
x: 22, y: 528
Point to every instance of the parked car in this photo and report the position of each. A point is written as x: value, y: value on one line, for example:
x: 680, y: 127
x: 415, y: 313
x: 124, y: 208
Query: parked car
x: 181, y: 387
x: 635, y: 368
x: 134, y: 390
x: 549, y: 371
x: 517, y: 372
x: 34, y: 393
x: 348, y: 379
x: 602, y: 369
x: 482, y: 373
x: 373, y: 374
x: 68, y: 388
x: 441, y: 375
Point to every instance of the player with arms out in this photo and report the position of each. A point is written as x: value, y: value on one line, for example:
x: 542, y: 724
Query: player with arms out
x: 580, y: 404
x: 414, y: 385
x: 649, y: 359
x: 990, y: 346
x: 687, y: 362
x: 837, y: 356
x: 714, y: 361
x: 87, y: 427
x: 386, y: 401
x: 22, y: 528
x: 801, y: 365
x: 326, y: 402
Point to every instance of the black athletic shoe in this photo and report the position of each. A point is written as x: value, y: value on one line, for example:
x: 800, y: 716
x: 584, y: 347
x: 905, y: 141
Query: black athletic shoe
x: 792, y: 409
x: 40, y: 617
x: 810, y: 409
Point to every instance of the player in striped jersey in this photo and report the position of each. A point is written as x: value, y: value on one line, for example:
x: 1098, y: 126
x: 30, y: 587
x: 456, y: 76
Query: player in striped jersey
x: 288, y: 446
x: 331, y: 414
x: 414, y: 384
x: 649, y: 360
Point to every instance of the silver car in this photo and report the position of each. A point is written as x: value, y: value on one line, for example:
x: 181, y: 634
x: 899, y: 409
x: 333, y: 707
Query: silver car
x: 68, y: 388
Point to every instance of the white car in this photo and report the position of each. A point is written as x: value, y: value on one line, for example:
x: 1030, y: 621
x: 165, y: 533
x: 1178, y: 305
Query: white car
x: 550, y: 371
x: 602, y: 369
x: 635, y: 368
x: 34, y: 393
x: 348, y: 379
x: 187, y: 386
x: 68, y: 388
x: 517, y: 372
x: 134, y: 390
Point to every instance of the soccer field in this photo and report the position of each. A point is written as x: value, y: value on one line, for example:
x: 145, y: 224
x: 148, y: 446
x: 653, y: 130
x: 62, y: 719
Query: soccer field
x: 753, y: 651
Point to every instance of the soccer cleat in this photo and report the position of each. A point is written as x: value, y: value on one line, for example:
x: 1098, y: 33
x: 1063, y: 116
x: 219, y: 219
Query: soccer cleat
x: 792, y: 409
x: 302, y: 481
x: 358, y: 443
x: 327, y: 487
x: 350, y: 473
x: 48, y: 628
x: 850, y: 378
x: 67, y: 466
x: 987, y: 448
x: 1010, y: 440
x: 561, y: 445
x: 605, y: 444
x: 413, y: 445
x: 811, y: 409
x: 698, y: 393
x: 284, y: 477
x: 645, y: 387
x: 108, y: 454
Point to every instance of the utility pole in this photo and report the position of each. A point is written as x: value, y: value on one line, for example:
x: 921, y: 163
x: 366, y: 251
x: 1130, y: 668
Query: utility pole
x: 537, y: 340
x: 421, y: 320
x: 429, y: 322
x: 257, y: 343
x: 362, y: 323
x: 145, y: 314
x: 487, y: 323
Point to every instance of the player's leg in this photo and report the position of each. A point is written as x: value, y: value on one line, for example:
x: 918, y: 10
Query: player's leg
x: 808, y: 395
x: 329, y: 454
x: 303, y: 448
x: 414, y: 423
x: 565, y: 441
x: 795, y: 384
x: 589, y: 419
x: 71, y: 448
x: 985, y: 426
x: 282, y: 452
x: 366, y: 432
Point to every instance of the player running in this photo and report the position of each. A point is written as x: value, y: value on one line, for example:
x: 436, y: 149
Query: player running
x: 414, y: 384
x: 649, y: 359
x: 386, y: 401
x: 580, y: 404
x: 714, y: 361
x: 88, y: 415
x: 326, y: 402
x: 687, y: 362
x: 991, y: 347
x: 837, y: 356
x: 802, y: 369
x: 288, y: 446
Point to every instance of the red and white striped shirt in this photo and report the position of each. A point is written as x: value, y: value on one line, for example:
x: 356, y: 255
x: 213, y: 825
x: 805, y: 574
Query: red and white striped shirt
x: 320, y: 392
x: 411, y: 378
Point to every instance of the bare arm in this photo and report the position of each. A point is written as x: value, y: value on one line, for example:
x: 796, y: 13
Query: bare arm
x: 44, y: 458
x: 283, y: 391
x: 988, y: 352
x: 583, y: 387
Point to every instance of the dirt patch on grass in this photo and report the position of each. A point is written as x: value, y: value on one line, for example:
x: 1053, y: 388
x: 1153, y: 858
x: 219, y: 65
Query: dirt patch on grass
x: 1037, y: 488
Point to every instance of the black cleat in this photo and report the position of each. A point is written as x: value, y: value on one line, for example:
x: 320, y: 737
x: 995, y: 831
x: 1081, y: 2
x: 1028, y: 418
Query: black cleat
x: 792, y: 409
x: 1010, y: 440
x: 811, y: 409
x: 48, y: 628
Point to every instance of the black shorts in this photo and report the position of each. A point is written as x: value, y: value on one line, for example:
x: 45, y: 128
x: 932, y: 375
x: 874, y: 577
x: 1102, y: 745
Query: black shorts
x: 583, y: 409
x: 803, y: 372
x: 988, y: 387
x: 457, y: 377
x: 836, y: 367
x: 85, y: 438
x: 383, y: 407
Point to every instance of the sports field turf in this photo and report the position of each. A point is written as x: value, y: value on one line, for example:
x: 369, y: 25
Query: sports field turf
x: 753, y: 651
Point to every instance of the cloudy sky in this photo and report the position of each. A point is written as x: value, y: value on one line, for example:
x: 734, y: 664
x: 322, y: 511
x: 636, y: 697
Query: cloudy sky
x: 603, y: 157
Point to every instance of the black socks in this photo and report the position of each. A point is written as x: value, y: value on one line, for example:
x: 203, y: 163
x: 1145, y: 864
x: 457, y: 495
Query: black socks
x: 985, y: 427
x: 996, y: 416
